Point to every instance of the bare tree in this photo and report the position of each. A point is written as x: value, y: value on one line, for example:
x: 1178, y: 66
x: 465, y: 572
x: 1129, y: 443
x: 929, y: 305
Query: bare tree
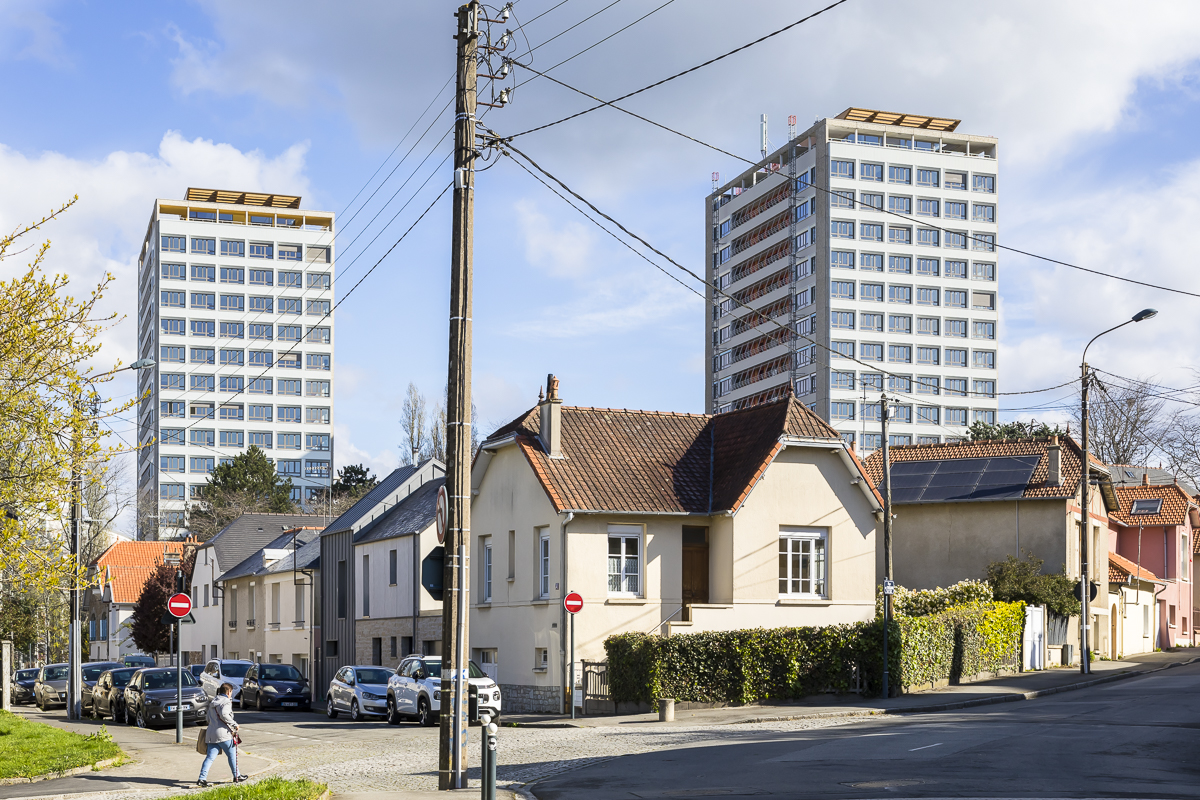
x: 1128, y: 423
x: 437, y: 434
x: 108, y: 493
x: 413, y: 425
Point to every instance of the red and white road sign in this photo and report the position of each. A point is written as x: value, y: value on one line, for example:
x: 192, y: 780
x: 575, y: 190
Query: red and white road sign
x: 440, y: 513
x: 180, y: 605
x: 573, y: 602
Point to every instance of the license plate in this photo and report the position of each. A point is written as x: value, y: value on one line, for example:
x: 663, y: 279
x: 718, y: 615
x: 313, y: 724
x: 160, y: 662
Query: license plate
x: 289, y: 705
x: 186, y: 707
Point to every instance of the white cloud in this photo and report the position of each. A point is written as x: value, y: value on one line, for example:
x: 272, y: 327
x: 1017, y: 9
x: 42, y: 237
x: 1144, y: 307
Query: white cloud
x: 27, y: 31
x: 562, y: 251
x: 381, y: 462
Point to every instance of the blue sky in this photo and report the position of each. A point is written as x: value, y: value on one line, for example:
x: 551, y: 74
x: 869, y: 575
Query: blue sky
x: 122, y: 103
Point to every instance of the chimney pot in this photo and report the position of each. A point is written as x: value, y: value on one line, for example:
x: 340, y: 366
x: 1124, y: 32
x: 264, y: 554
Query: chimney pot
x: 550, y: 409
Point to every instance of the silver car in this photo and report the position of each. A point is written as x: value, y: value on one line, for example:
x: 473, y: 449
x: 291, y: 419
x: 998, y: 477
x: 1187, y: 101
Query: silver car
x: 51, y: 686
x: 360, y: 690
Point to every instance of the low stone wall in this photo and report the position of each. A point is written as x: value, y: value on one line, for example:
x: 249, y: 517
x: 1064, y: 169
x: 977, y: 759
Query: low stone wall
x: 429, y: 627
x: 531, y: 699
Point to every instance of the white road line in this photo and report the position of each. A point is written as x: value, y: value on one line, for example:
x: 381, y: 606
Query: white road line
x: 926, y: 747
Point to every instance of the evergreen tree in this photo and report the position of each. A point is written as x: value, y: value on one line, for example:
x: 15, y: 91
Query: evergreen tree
x: 354, y: 480
x: 1022, y: 580
x: 1014, y: 430
x: 247, y: 484
x: 146, y: 623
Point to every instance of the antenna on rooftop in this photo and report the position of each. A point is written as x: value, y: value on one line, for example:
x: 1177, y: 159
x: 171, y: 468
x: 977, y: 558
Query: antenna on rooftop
x: 765, y: 146
x: 791, y: 127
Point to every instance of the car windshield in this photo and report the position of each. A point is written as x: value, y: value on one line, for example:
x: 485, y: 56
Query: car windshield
x: 92, y: 672
x: 26, y: 674
x: 141, y: 661
x: 372, y: 675
x: 120, y: 677
x: 166, y: 680
x: 279, y: 672
x: 55, y: 674
x: 433, y: 669
x: 234, y: 669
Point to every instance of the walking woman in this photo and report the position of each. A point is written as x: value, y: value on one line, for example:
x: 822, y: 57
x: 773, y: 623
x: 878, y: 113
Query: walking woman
x: 221, y: 736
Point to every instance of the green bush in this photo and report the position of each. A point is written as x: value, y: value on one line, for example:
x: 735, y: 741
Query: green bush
x: 1023, y: 581
x: 960, y: 642
x: 919, y: 602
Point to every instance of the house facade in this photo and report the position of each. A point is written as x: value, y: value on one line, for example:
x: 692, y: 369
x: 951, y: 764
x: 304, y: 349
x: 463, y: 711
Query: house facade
x: 116, y: 579
x: 964, y: 505
x: 662, y: 522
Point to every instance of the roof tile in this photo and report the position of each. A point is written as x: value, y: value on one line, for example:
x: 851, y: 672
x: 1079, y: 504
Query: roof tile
x: 127, y: 566
x: 1174, y: 507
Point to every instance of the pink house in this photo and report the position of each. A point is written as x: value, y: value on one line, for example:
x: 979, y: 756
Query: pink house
x: 1155, y: 530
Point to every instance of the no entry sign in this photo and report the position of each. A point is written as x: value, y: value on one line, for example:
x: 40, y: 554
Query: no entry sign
x: 441, y: 511
x: 573, y: 602
x: 179, y: 605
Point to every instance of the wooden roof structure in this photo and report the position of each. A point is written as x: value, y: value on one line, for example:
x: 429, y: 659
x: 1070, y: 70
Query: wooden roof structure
x: 231, y: 197
x: 899, y: 120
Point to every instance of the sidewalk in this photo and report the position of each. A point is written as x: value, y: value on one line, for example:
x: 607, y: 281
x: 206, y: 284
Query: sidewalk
x: 1022, y: 686
x: 501, y: 794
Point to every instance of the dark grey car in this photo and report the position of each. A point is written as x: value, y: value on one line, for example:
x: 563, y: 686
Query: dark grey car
x: 150, y: 698
x: 23, y: 681
x: 108, y: 695
x: 91, y: 672
x: 50, y: 689
x: 275, y: 686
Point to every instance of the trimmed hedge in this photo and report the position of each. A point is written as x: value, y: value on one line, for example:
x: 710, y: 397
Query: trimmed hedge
x: 961, y: 641
x: 748, y: 666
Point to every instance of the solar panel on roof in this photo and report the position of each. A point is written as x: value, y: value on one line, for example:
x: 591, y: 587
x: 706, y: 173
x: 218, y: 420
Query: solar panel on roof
x: 962, y: 479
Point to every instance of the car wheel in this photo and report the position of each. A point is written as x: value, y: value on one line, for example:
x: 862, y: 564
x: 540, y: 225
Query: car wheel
x: 95, y: 710
x: 38, y: 702
x: 424, y: 715
x: 258, y: 702
x: 128, y: 716
x: 242, y: 701
x: 393, y: 716
x: 330, y: 709
x: 355, y: 711
x: 141, y: 718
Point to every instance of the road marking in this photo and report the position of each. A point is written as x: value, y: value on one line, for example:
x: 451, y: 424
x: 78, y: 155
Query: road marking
x: 926, y: 747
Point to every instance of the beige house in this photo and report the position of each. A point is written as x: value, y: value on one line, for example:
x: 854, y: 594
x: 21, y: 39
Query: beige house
x: 963, y: 505
x: 662, y: 522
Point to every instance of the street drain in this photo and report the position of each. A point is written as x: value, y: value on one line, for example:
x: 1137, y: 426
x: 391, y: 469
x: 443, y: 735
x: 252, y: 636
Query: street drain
x: 886, y: 784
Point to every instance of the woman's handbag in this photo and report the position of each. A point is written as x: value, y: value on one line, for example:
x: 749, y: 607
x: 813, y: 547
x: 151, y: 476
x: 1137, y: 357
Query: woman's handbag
x: 201, y: 744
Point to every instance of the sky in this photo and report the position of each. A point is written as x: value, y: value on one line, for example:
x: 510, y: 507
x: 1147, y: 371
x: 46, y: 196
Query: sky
x: 1095, y: 104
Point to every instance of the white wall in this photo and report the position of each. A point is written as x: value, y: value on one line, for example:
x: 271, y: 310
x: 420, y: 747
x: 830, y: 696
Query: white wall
x: 210, y: 620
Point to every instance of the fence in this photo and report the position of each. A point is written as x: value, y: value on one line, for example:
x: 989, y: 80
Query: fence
x: 595, y: 688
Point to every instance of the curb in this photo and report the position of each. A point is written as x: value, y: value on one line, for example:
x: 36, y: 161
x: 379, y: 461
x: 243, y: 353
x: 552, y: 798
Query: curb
x: 66, y: 773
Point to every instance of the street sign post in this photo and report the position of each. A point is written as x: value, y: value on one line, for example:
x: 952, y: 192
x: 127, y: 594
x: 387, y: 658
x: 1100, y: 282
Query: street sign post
x: 440, y: 512
x: 573, y: 603
x: 179, y: 605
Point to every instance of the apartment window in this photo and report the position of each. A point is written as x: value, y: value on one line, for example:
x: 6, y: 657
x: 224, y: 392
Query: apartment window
x: 870, y: 352
x: 984, y: 388
x: 927, y: 415
x: 316, y: 388
x: 870, y: 232
x: 233, y: 358
x: 955, y: 358
x: 289, y: 280
x: 206, y: 247
x: 927, y: 296
x: 288, y: 467
x: 624, y: 560
x: 173, y: 435
x: 289, y: 252
x: 316, y: 469
x: 841, y: 411
x: 171, y: 381
x: 927, y: 177
x: 171, y: 355
x: 841, y: 320
x: 841, y: 290
x: 260, y: 332
x: 202, y: 383
x: 233, y: 249
x: 258, y: 385
x: 871, y: 292
x: 842, y: 349
x: 173, y: 244
x: 899, y: 324
x: 543, y: 563
x: 987, y: 417
x: 870, y: 172
x: 870, y: 262
x: 900, y: 294
x: 927, y: 237
x: 260, y: 413
x: 204, y: 327
x: 956, y: 387
x: 841, y: 169
x: 233, y: 275
x: 900, y: 264
x: 287, y: 333
x: 288, y: 441
x: 1184, y: 555
x: 983, y: 359
x: 956, y: 240
x: 899, y: 354
x: 841, y: 199
x: 202, y: 465
x: 871, y: 322
x: 983, y: 241
x: 900, y: 235
x: 173, y: 519
x: 802, y: 562
x: 841, y: 259
x: 871, y: 442
x: 319, y: 280
x: 232, y: 383
x: 317, y: 335
x: 927, y: 208
x: 956, y: 417
x: 205, y: 274
x: 260, y: 358
x: 899, y: 205
x: 173, y: 327
x: 983, y: 213
x: 928, y: 355
x: 983, y: 272
x: 289, y: 414
x: 487, y: 570
x: 261, y: 250
x: 927, y: 266
x: 901, y: 414
x: 927, y: 385
x: 899, y: 383
x: 870, y: 412
x: 318, y: 308
x: 900, y: 175
x: 318, y: 416
x: 233, y: 330
x: 289, y: 305
x: 841, y: 229
x: 171, y: 463
x: 927, y: 326
x: 232, y: 439
x: 173, y: 299
x: 956, y: 299
x: 201, y: 411
x: 206, y: 301
x: 841, y: 380
x: 290, y: 388
x: 956, y: 180
x: 983, y: 330
x: 983, y: 300
x: 870, y: 201
x: 317, y: 441
x: 262, y: 304
x: 232, y: 411
x: 871, y: 381
x: 321, y: 360
x: 260, y: 440
x: 983, y: 183
x: 318, y: 254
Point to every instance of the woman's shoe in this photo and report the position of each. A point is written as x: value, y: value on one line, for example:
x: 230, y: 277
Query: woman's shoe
x: 202, y: 783
x: 240, y: 779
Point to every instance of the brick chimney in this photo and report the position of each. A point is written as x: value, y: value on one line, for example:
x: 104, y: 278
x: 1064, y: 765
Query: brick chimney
x: 551, y: 419
x: 1145, y: 479
x: 1054, y: 455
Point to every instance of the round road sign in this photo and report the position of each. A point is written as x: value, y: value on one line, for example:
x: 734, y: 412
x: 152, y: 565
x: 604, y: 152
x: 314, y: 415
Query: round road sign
x: 180, y: 605
x: 441, y: 512
x: 573, y: 602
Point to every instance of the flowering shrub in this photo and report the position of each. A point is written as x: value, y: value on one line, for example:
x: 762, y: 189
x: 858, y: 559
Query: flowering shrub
x: 921, y: 602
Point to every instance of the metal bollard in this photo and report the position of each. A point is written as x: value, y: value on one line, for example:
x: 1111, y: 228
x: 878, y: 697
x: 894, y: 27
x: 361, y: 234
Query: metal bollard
x: 489, y: 776
x: 484, y: 720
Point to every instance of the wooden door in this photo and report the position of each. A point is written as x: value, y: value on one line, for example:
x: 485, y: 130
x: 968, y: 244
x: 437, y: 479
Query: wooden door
x: 695, y: 566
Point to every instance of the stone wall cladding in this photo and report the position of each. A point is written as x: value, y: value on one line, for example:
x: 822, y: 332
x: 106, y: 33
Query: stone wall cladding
x: 518, y: 699
x: 428, y: 627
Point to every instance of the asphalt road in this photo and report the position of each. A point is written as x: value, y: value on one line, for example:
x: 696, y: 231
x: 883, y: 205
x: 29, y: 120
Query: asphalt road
x: 1136, y: 738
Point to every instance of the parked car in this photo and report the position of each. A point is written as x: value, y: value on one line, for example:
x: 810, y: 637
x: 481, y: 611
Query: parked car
x: 91, y: 673
x: 415, y: 690
x: 197, y: 670
x: 139, y: 660
x: 223, y: 670
x: 50, y: 688
x: 281, y: 685
x: 23, y: 681
x: 108, y: 695
x: 360, y: 690
x: 150, y: 698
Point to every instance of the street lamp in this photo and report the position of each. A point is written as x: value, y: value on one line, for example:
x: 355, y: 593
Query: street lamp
x: 74, y: 656
x: 1085, y: 582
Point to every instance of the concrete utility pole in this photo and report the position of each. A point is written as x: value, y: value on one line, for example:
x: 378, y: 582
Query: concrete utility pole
x: 887, y: 537
x: 452, y: 750
x: 74, y: 645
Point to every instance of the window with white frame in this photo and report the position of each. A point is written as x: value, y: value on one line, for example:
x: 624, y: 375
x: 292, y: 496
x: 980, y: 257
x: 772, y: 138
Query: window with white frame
x: 543, y: 565
x: 625, y: 560
x: 802, y: 562
x: 487, y: 570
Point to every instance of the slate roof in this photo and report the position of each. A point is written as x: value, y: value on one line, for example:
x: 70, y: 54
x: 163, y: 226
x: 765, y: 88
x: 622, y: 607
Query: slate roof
x: 1037, y: 487
x: 253, y: 565
x: 127, y: 565
x: 659, y: 462
x: 1174, y: 507
x: 368, y: 501
x: 412, y: 514
x: 250, y: 533
x: 1131, y: 475
x: 1120, y: 568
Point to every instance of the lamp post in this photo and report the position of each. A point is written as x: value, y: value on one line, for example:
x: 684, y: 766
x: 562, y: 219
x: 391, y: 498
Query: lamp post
x: 1085, y: 582
x: 74, y: 655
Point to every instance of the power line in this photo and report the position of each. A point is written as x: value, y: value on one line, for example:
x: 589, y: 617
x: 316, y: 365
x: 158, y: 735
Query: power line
x: 568, y: 30
x: 686, y: 71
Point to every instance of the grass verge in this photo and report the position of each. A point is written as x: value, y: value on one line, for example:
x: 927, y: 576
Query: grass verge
x: 266, y: 789
x: 29, y: 749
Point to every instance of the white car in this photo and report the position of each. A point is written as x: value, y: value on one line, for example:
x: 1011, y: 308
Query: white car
x: 415, y: 690
x: 224, y: 670
x: 360, y: 690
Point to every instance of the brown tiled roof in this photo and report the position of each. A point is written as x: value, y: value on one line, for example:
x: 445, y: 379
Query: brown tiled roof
x: 1174, y: 507
x: 1037, y: 486
x: 661, y: 462
x: 1120, y: 568
x: 127, y: 565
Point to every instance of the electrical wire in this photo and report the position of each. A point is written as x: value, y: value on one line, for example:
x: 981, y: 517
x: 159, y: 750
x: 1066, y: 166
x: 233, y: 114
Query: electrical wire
x: 568, y: 30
